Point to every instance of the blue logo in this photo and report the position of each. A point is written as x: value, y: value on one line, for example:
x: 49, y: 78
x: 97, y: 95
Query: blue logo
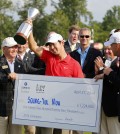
x: 25, y: 84
x: 25, y: 87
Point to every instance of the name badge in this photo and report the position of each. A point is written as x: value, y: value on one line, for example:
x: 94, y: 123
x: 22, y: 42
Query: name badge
x: 4, y: 66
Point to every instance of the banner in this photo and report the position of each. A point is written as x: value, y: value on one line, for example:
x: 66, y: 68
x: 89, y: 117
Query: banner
x: 57, y: 102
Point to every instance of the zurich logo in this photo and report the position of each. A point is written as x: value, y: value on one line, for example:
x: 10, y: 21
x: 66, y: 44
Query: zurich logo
x: 25, y: 84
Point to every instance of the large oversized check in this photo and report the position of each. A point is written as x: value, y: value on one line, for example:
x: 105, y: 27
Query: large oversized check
x: 57, y: 102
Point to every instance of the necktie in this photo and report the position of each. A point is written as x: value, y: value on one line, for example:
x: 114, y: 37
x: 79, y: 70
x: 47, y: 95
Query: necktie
x: 19, y: 57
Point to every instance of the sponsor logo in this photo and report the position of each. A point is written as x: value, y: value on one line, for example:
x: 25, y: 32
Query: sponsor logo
x: 40, y: 88
x: 25, y: 87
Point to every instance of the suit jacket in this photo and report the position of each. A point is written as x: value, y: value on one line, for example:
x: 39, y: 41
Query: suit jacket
x: 7, y: 85
x: 32, y: 64
x: 36, y: 62
x: 89, y: 65
x: 29, y: 58
x: 67, y: 46
x: 111, y: 88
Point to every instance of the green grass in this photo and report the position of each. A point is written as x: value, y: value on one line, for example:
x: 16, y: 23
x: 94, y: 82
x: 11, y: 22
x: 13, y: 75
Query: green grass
x: 83, y: 133
x: 23, y: 130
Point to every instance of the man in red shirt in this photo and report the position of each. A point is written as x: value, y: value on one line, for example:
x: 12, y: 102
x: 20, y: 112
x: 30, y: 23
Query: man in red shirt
x: 58, y: 62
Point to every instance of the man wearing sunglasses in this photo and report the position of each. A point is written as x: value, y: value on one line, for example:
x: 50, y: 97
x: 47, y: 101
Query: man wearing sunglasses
x: 85, y: 54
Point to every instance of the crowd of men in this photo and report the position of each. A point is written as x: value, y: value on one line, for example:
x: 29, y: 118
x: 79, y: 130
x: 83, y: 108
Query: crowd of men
x: 81, y: 59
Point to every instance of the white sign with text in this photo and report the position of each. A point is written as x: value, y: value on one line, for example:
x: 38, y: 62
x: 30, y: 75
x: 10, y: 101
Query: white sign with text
x: 57, y: 102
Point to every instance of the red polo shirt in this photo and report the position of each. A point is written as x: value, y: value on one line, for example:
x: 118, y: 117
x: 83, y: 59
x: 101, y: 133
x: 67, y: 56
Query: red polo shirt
x: 67, y: 67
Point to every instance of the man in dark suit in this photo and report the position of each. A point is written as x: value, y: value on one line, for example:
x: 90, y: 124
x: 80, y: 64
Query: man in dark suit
x: 9, y: 66
x: 23, y: 55
x: 109, y: 121
x: 111, y: 87
x: 85, y: 54
x: 72, y: 43
x: 30, y: 60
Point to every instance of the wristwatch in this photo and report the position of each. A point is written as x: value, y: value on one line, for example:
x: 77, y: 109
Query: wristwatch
x: 101, y: 70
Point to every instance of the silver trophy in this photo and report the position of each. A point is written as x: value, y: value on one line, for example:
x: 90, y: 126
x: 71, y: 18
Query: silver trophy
x: 25, y: 28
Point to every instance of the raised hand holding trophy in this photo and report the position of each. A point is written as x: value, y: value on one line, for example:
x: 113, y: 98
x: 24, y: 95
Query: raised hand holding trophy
x: 25, y: 28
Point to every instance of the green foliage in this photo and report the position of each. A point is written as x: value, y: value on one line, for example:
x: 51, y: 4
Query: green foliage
x: 59, y: 23
x: 51, y: 23
x: 0, y: 52
x: 111, y: 19
x: 99, y: 34
x: 7, y: 24
x: 39, y: 4
x: 59, y: 20
x: 74, y: 9
x: 4, y: 5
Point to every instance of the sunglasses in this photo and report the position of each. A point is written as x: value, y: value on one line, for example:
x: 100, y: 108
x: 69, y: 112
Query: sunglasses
x: 86, y: 36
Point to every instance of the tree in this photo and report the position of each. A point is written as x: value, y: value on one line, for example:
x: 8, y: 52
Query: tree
x: 74, y: 9
x: 99, y: 34
x: 51, y: 23
x: 59, y: 23
x: 39, y: 4
x: 111, y: 19
x: 7, y: 25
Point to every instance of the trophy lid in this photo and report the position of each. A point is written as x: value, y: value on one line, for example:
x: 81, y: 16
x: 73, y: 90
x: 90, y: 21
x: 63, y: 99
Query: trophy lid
x: 33, y: 12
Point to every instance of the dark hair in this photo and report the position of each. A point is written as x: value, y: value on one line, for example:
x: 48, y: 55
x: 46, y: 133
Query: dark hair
x: 117, y: 30
x: 74, y: 27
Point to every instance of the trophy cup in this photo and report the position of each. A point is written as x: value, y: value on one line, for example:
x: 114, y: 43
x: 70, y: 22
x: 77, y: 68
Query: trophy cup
x: 25, y: 28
